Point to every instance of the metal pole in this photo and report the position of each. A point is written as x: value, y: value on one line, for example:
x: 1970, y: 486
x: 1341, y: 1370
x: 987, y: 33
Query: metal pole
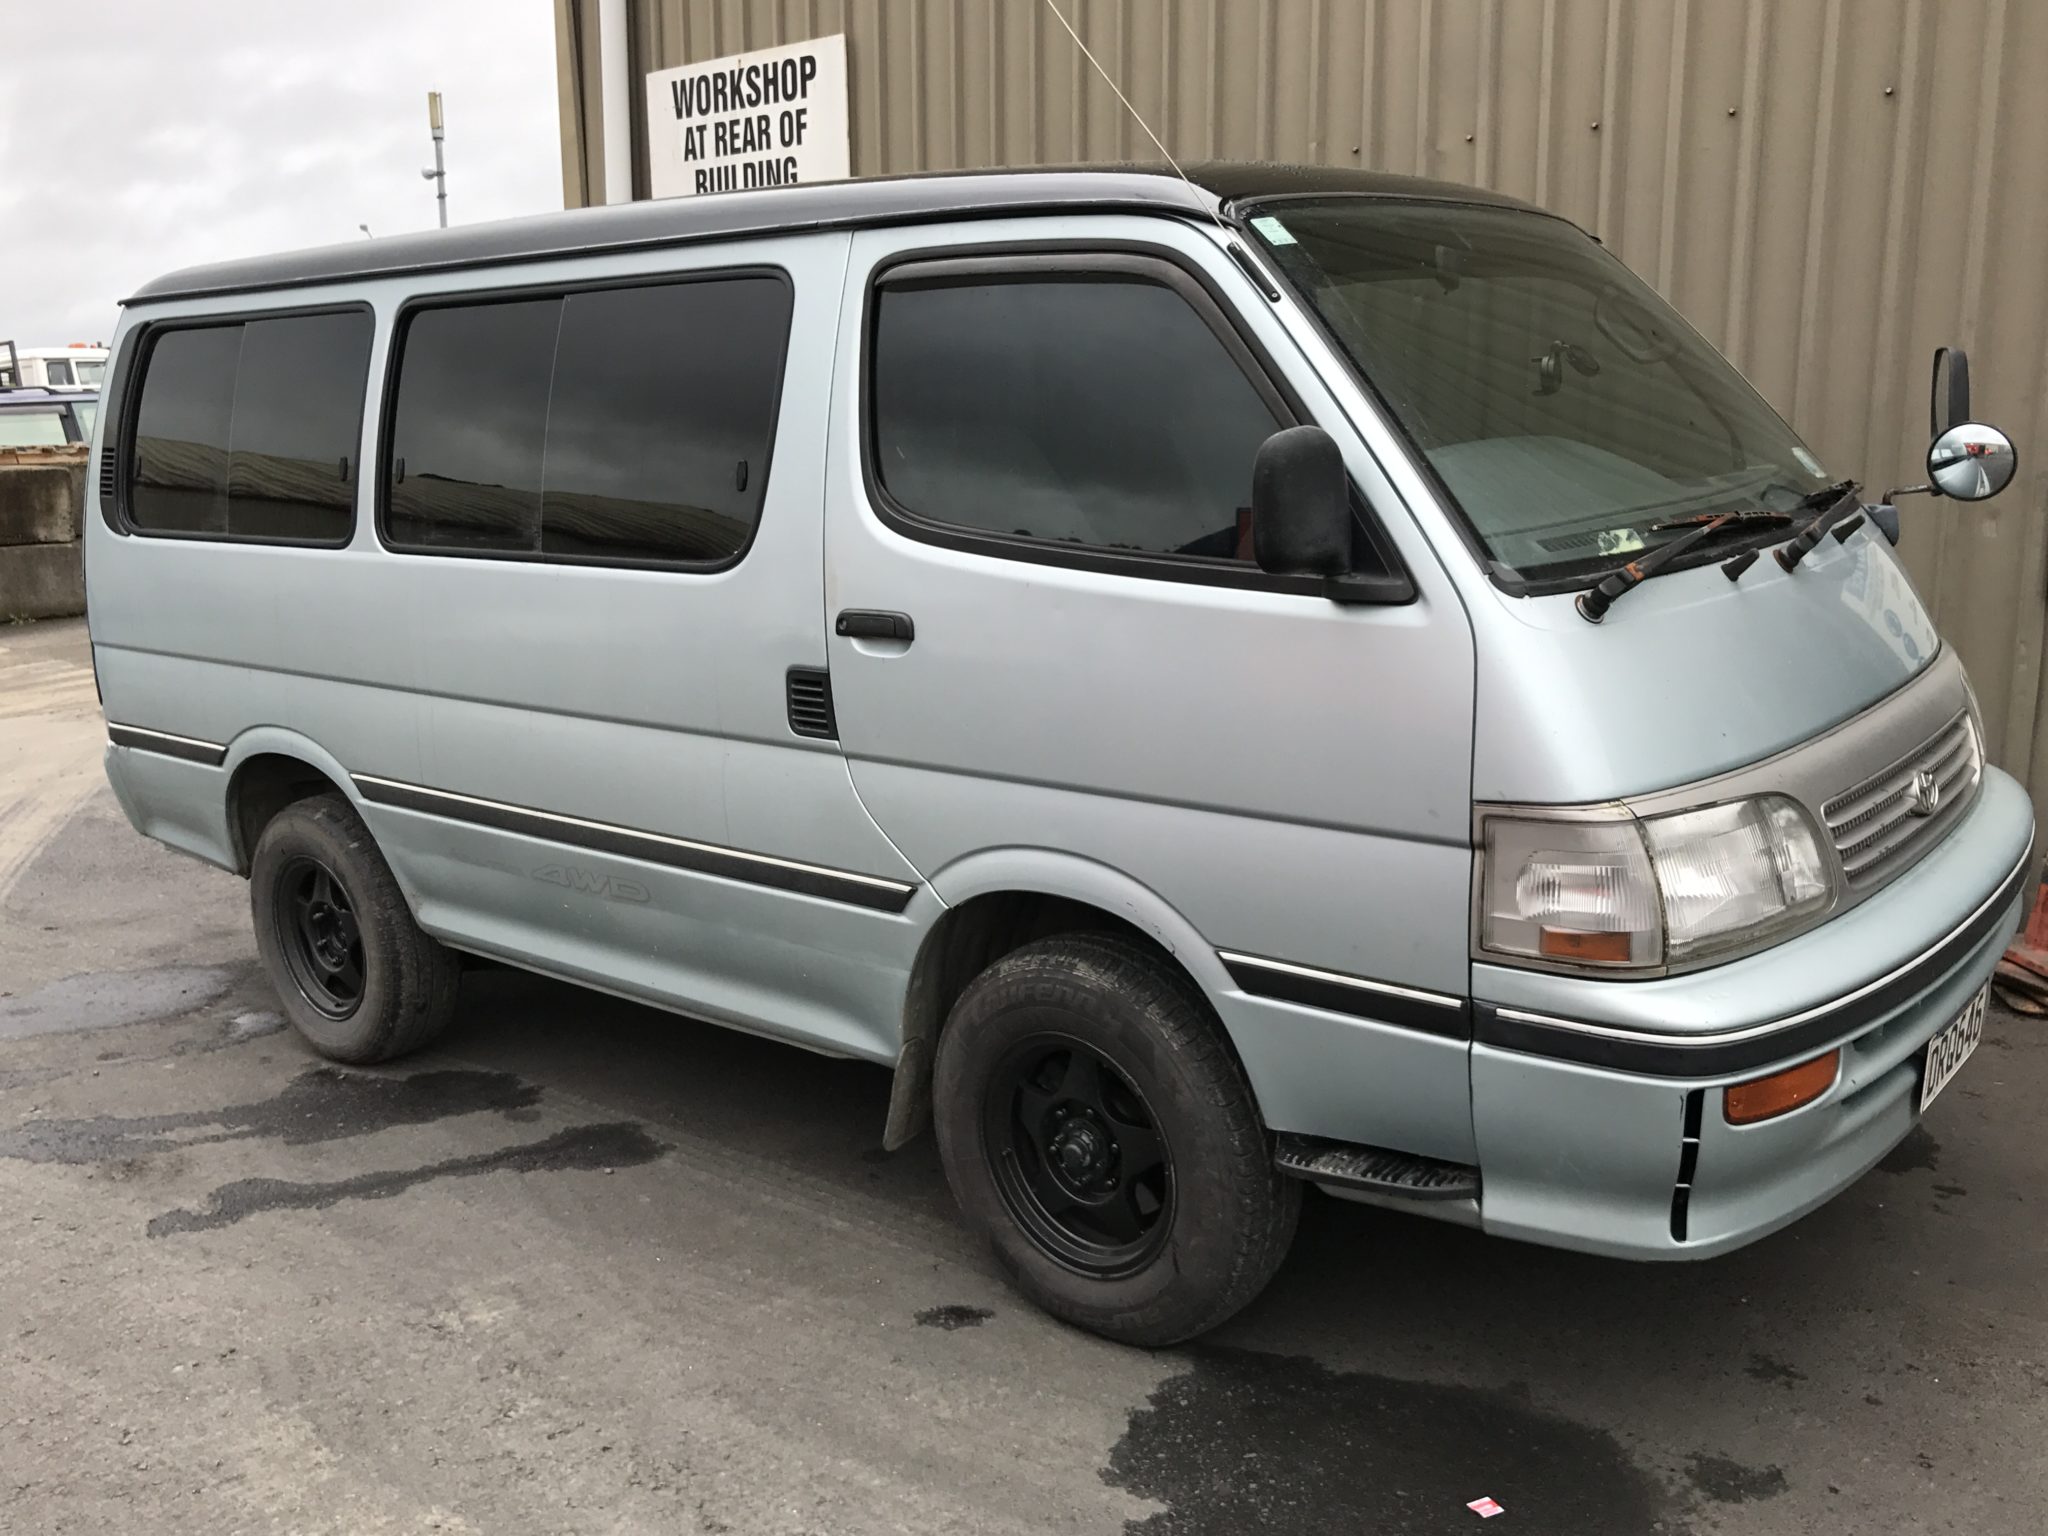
x: 439, y: 174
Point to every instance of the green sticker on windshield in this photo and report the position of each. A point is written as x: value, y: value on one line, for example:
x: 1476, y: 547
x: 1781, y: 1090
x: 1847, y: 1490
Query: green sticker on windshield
x: 1272, y: 231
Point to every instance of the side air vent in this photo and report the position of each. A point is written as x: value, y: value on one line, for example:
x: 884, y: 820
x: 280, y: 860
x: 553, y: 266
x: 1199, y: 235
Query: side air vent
x: 107, y: 457
x: 810, y: 703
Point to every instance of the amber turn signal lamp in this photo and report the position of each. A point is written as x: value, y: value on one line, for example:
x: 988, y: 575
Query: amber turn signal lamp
x: 1570, y: 944
x: 1781, y: 1092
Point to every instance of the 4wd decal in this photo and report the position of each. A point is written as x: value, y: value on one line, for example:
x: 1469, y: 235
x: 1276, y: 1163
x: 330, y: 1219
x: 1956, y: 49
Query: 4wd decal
x: 587, y: 883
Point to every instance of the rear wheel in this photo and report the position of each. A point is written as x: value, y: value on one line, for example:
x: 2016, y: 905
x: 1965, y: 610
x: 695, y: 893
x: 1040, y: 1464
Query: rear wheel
x: 356, y: 975
x: 1096, y: 1127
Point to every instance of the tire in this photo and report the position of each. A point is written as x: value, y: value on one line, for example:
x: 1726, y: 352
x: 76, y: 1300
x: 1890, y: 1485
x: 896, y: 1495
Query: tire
x: 1147, y: 1258
x: 356, y: 975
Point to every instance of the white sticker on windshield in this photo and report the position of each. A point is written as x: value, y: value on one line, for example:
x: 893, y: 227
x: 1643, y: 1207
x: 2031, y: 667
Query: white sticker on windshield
x: 1809, y: 463
x: 1620, y: 541
x: 1272, y: 230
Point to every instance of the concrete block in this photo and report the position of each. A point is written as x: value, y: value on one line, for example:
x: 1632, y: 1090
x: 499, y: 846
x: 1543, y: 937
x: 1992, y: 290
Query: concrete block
x: 42, y: 581
x: 41, y: 503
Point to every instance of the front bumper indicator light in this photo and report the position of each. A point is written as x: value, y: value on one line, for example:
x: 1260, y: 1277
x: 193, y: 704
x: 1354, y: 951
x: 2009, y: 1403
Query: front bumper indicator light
x: 1604, y: 890
x: 1764, y: 1098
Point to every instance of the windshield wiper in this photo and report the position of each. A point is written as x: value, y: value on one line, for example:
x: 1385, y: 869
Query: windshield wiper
x: 1594, y: 603
x: 1830, y: 500
x: 1755, y: 517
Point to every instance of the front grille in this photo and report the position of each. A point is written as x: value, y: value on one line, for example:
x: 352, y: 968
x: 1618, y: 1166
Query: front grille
x: 1881, y: 826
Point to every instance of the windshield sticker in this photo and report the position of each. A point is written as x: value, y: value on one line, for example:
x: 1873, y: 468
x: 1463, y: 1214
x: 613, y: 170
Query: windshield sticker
x: 1809, y: 463
x: 1620, y: 541
x: 1272, y: 231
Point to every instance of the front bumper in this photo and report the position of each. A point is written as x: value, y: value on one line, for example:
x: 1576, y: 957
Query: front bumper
x: 1584, y: 1092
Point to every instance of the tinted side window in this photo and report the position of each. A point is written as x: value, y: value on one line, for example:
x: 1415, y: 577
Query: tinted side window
x: 249, y: 430
x: 298, y: 416
x: 470, y: 425
x: 1093, y: 410
x: 181, y: 432
x: 663, y: 409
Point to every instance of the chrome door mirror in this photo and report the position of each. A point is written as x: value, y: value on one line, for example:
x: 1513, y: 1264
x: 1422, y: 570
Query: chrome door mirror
x: 1971, y: 462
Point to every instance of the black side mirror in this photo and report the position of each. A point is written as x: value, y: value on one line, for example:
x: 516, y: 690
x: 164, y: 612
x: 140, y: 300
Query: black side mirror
x: 1969, y: 461
x: 1948, y: 399
x: 1948, y: 403
x: 1301, y: 505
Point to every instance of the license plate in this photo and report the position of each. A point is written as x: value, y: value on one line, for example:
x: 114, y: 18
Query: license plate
x: 1951, y: 1048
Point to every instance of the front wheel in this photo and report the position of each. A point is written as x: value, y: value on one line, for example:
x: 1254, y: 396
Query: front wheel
x: 1096, y: 1127
x: 355, y: 974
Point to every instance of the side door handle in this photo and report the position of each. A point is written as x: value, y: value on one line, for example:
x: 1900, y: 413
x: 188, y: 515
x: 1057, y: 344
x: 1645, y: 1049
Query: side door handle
x: 873, y: 624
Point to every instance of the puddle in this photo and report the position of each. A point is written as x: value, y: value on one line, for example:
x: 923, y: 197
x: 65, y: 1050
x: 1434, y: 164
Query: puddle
x: 323, y: 1104
x: 1767, y: 1368
x: 1287, y: 1447
x: 621, y: 1145
x: 1730, y: 1482
x: 1917, y: 1153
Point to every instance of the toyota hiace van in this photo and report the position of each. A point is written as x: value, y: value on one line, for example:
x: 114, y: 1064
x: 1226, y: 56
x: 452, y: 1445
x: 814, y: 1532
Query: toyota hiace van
x: 1224, y: 684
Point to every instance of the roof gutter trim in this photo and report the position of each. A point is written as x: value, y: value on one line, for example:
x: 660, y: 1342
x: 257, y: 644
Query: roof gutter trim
x: 1181, y: 206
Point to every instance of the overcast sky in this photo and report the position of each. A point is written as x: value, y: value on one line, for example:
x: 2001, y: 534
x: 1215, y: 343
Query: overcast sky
x: 138, y: 136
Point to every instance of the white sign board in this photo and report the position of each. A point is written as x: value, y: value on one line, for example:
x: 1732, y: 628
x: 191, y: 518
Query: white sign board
x: 771, y: 118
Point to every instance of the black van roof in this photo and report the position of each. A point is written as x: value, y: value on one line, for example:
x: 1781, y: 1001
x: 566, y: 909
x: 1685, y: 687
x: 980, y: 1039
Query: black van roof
x: 1207, y: 191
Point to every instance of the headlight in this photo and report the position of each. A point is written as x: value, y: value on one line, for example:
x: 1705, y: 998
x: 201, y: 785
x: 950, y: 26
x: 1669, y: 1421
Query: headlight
x: 1605, y: 889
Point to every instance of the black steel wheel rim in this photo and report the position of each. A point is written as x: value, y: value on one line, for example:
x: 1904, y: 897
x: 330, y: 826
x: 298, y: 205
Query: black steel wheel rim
x: 1078, y: 1156
x: 319, y: 935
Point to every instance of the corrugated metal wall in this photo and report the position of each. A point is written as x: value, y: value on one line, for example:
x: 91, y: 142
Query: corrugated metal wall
x: 1828, y: 188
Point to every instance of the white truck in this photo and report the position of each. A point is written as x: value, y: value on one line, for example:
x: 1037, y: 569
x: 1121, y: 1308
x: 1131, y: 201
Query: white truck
x: 82, y: 365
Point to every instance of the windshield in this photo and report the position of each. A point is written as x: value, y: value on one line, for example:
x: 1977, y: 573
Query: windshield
x: 1566, y: 407
x: 88, y: 415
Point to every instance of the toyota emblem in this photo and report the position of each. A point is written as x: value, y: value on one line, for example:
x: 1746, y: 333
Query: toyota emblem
x: 1926, y: 794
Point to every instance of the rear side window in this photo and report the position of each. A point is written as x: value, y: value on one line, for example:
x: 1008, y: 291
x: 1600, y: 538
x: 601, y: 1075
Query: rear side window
x: 250, y: 430
x: 296, y: 427
x: 181, y: 432
x: 1095, y: 410
x: 664, y: 403
x: 615, y: 424
x: 471, y: 426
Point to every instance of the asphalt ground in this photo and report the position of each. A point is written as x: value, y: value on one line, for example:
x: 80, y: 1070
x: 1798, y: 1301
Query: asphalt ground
x: 589, y: 1267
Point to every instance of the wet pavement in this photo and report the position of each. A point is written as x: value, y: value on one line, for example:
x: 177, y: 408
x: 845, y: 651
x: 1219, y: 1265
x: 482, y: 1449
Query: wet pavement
x: 588, y: 1267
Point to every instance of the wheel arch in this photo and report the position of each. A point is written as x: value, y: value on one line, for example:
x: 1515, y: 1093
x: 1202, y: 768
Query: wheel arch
x: 267, y: 769
x: 1000, y: 900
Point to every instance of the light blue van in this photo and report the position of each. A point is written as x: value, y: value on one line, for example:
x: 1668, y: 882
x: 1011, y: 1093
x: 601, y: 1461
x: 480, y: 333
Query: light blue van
x: 1285, y: 677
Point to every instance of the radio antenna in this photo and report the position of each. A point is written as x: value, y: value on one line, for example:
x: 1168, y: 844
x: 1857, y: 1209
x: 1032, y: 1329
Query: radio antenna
x: 1136, y: 115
